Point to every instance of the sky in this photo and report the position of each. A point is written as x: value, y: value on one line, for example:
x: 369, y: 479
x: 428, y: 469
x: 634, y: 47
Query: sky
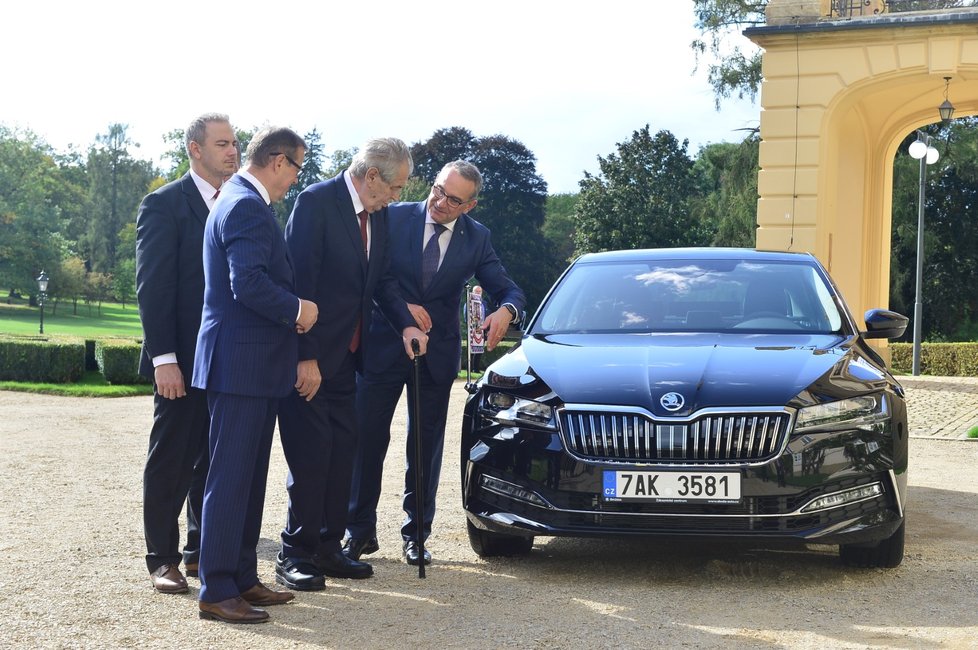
x: 570, y: 80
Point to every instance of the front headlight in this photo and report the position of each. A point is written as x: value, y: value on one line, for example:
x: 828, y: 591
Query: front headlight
x: 861, y: 412
x: 510, y: 410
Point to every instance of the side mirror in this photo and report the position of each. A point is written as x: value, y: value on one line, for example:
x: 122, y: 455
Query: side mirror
x: 885, y: 324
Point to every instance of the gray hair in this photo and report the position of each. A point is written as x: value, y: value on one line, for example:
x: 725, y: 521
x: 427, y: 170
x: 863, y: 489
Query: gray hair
x: 386, y: 154
x: 197, y: 131
x: 273, y: 140
x: 468, y: 171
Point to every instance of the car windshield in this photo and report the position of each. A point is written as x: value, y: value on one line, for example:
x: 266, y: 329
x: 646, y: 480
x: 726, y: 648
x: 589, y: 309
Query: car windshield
x: 724, y: 295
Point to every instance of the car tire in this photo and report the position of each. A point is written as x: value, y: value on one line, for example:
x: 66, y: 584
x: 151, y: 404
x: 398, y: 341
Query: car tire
x: 888, y: 553
x: 488, y: 544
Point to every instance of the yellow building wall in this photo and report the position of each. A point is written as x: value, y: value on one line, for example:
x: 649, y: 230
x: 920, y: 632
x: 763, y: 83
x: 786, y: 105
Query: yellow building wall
x: 837, y: 99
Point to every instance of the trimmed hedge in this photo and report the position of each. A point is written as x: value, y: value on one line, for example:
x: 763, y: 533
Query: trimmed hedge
x: 118, y: 361
x: 489, y: 357
x: 41, y: 359
x: 947, y: 359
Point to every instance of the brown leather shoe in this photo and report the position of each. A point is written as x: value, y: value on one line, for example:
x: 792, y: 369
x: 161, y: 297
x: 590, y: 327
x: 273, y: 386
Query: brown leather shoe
x: 232, y: 610
x: 167, y: 579
x: 191, y: 570
x: 263, y: 596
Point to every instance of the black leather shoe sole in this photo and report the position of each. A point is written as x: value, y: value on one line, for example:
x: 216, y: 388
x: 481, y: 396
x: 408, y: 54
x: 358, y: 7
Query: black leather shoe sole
x: 353, y: 574
x: 355, y: 548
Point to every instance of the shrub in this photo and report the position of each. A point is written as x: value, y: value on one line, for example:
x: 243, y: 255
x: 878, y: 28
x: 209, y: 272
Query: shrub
x: 41, y: 359
x: 118, y: 360
x: 948, y: 359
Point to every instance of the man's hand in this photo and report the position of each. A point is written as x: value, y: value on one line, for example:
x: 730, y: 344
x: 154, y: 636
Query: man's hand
x: 308, y: 315
x: 421, y: 317
x: 496, y: 325
x: 308, y: 378
x: 169, y: 381
x: 414, y: 333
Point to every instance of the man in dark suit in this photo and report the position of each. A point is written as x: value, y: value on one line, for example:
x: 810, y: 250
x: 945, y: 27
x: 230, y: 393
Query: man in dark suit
x: 337, y: 236
x: 435, y: 248
x: 170, y: 294
x: 246, y: 360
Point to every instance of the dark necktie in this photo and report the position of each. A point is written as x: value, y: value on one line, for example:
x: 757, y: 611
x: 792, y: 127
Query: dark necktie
x: 216, y: 194
x: 362, y: 216
x: 430, y: 256
x: 363, y: 229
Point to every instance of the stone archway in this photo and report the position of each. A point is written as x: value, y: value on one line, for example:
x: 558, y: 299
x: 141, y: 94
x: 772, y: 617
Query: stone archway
x: 837, y: 99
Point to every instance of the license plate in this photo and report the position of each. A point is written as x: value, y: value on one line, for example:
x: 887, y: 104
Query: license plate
x: 671, y: 487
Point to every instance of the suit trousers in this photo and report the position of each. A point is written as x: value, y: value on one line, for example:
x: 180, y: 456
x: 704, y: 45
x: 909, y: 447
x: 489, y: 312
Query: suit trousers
x: 377, y: 398
x: 234, y: 496
x: 176, y: 468
x: 319, y: 438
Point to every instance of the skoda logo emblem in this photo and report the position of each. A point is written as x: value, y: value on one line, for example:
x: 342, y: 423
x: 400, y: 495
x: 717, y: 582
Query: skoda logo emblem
x: 672, y: 401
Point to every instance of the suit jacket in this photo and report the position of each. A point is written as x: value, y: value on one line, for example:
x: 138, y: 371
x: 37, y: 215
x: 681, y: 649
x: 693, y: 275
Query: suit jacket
x: 247, y: 340
x: 470, y: 253
x: 170, y: 272
x: 332, y: 270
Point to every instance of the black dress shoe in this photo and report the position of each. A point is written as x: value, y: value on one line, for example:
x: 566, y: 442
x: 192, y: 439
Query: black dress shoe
x: 357, y: 546
x: 411, y: 553
x: 337, y: 565
x: 299, y: 574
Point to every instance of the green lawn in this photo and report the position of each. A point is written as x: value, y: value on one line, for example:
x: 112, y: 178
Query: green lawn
x: 114, y: 321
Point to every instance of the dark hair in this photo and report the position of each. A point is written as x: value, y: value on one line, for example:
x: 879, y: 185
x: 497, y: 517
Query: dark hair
x: 273, y: 140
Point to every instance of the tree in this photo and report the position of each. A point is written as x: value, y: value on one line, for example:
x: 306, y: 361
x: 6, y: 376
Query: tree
x: 558, y: 225
x: 726, y: 200
x: 732, y: 71
x: 950, y: 271
x: 117, y: 183
x: 69, y: 282
x: 511, y: 204
x: 124, y: 281
x: 311, y: 172
x: 29, y: 218
x: 640, y: 198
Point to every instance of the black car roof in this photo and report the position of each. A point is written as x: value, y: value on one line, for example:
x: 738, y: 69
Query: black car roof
x: 705, y: 253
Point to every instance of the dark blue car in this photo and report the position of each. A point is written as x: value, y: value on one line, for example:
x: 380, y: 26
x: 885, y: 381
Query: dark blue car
x: 691, y: 392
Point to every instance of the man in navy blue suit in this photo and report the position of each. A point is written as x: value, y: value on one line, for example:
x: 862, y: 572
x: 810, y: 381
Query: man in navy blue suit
x: 246, y: 360
x: 435, y: 248
x: 337, y: 236
x: 170, y: 294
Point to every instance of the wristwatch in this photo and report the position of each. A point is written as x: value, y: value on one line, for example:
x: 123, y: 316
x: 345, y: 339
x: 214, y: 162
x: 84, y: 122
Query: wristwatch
x: 512, y: 312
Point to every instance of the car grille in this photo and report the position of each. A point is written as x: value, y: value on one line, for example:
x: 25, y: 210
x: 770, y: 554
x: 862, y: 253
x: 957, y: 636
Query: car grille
x: 710, y: 438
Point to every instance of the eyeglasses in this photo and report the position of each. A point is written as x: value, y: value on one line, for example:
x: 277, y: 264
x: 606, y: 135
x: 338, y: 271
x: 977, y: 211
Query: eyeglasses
x: 297, y: 166
x: 453, y: 201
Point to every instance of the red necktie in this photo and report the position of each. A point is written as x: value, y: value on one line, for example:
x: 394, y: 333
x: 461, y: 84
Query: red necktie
x: 216, y: 194
x: 363, y: 229
x: 355, y: 343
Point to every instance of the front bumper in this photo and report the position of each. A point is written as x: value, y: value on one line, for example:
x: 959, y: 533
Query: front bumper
x: 522, y: 481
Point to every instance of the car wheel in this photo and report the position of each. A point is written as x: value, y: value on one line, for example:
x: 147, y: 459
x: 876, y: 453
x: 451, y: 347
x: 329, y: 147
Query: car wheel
x: 488, y: 544
x: 888, y: 553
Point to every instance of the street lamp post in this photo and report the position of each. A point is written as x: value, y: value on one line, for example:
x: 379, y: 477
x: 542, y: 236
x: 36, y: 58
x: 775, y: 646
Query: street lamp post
x: 42, y: 287
x: 927, y: 155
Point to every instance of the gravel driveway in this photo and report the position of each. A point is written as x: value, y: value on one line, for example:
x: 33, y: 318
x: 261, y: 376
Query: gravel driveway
x: 74, y: 576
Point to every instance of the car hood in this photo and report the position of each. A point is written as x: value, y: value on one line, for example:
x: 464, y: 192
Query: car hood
x: 707, y: 370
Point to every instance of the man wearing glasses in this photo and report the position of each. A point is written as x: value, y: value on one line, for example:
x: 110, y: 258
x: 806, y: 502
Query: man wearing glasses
x: 435, y: 248
x: 337, y: 238
x: 246, y: 360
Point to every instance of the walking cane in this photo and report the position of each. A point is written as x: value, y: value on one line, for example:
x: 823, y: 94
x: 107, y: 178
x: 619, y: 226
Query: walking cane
x: 418, y: 468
